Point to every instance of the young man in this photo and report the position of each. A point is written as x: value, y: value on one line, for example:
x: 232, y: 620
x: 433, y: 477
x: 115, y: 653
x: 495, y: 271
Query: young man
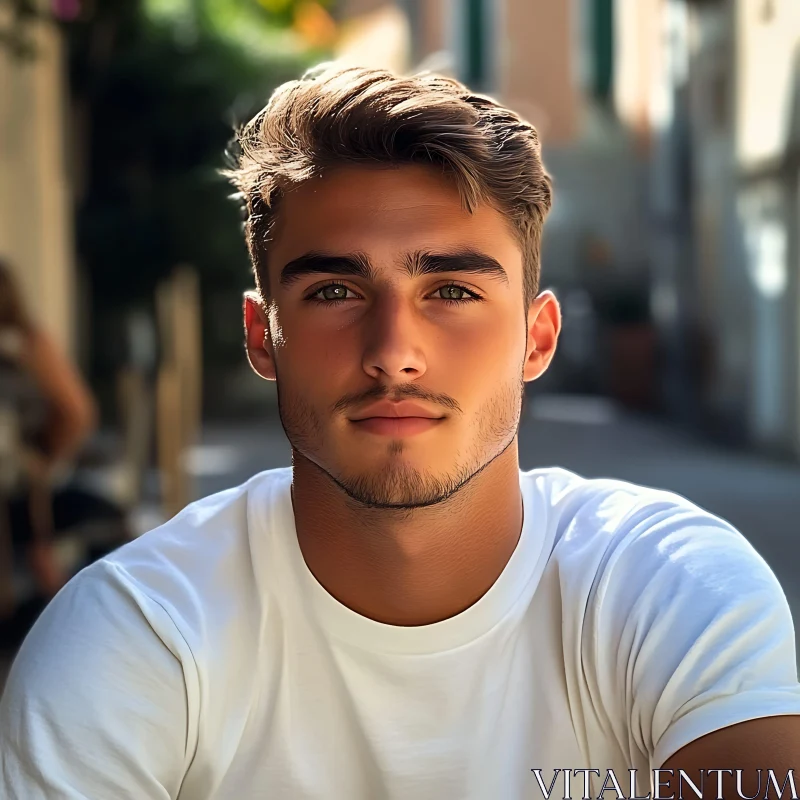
x: 403, y: 614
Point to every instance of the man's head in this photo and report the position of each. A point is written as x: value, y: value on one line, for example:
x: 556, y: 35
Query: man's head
x: 394, y: 226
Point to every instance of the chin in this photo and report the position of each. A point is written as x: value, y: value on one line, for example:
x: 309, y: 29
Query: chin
x: 397, y: 455
x: 401, y: 482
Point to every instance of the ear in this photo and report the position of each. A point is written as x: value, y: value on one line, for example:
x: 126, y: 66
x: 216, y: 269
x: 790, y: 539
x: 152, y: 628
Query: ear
x: 258, y: 340
x: 544, y: 325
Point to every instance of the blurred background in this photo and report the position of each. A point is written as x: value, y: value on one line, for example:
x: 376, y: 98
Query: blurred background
x: 672, y: 131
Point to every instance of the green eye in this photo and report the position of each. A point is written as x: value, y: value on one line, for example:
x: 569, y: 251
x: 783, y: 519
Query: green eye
x: 452, y: 293
x: 333, y: 292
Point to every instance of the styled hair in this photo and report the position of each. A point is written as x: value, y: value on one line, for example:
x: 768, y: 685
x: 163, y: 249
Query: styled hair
x: 336, y: 116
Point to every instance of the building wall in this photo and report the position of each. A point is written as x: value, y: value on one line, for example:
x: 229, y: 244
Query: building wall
x: 375, y: 34
x: 767, y: 137
x: 537, y: 66
x: 592, y: 155
x: 743, y: 90
x: 431, y: 35
x: 721, y: 283
x: 637, y: 64
x: 767, y: 42
x: 35, y: 203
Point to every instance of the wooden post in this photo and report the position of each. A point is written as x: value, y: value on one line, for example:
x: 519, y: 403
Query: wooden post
x: 174, y: 489
x: 188, y: 350
x: 179, y: 384
x: 135, y: 404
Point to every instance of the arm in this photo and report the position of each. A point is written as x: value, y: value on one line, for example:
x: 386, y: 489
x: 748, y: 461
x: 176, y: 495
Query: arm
x: 96, y: 702
x: 74, y: 413
x: 759, y: 744
x: 693, y: 647
x: 72, y: 417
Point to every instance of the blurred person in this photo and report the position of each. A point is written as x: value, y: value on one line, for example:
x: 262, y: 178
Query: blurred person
x: 403, y: 613
x: 48, y: 413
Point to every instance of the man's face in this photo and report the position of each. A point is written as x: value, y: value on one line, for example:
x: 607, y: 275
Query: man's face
x: 396, y: 332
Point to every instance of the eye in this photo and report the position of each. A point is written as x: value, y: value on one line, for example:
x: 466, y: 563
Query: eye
x: 453, y: 293
x: 330, y: 293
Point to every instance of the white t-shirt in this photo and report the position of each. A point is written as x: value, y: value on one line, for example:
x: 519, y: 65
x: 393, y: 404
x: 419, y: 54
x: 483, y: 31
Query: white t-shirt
x: 203, y: 660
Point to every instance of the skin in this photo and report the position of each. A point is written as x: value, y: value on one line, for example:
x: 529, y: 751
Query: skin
x: 766, y: 743
x: 405, y: 530
x: 73, y: 417
x: 410, y: 531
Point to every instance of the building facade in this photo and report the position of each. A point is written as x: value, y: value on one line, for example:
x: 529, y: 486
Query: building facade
x: 36, y: 224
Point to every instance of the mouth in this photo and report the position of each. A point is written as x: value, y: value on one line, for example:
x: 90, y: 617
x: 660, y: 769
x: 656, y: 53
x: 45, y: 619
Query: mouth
x: 397, y: 418
x: 396, y: 426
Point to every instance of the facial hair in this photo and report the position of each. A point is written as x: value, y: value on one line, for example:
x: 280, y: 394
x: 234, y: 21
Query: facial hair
x: 400, y: 485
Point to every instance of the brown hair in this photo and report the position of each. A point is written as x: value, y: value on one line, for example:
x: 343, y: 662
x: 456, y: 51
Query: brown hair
x: 367, y: 116
x: 12, y: 309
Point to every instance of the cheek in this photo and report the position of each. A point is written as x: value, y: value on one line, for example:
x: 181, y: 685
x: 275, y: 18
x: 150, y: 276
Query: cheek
x: 494, y: 345
x: 476, y: 363
x: 318, y: 361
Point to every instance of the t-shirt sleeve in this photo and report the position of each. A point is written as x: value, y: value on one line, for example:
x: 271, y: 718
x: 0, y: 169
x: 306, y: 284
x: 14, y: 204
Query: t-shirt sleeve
x: 96, y: 705
x: 688, y: 632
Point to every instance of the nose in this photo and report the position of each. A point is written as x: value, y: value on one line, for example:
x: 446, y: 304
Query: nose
x: 393, y: 341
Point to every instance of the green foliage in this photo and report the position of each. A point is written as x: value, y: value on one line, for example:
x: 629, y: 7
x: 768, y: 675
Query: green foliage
x: 159, y: 88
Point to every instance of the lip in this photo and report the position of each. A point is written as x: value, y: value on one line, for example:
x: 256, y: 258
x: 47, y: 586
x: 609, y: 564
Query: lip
x: 397, y: 419
x: 397, y: 427
x: 397, y: 410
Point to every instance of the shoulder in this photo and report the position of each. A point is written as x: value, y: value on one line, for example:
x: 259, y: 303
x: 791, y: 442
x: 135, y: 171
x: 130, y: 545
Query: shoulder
x: 202, y: 566
x: 163, y: 634
x: 601, y: 510
x: 674, y: 625
x: 185, y: 580
x: 614, y: 534
x: 101, y: 696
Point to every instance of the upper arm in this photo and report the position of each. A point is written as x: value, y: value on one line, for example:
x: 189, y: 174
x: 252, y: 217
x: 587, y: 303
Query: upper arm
x: 769, y: 743
x: 60, y: 382
x: 96, y: 702
x: 692, y: 634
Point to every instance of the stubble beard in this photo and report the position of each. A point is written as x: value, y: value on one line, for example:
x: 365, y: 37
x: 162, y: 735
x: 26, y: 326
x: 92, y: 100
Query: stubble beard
x: 398, y: 484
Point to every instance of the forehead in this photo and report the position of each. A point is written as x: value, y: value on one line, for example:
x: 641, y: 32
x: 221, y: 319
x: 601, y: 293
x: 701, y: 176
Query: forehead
x: 386, y: 212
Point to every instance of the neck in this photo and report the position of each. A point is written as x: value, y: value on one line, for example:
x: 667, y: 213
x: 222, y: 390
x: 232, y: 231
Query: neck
x: 409, y: 567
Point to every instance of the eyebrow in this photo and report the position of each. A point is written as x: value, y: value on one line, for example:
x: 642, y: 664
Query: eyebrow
x: 355, y: 264
x: 416, y: 264
x: 467, y: 260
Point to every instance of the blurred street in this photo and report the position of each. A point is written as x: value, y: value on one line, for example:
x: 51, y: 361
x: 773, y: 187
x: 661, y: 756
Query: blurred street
x: 591, y: 437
